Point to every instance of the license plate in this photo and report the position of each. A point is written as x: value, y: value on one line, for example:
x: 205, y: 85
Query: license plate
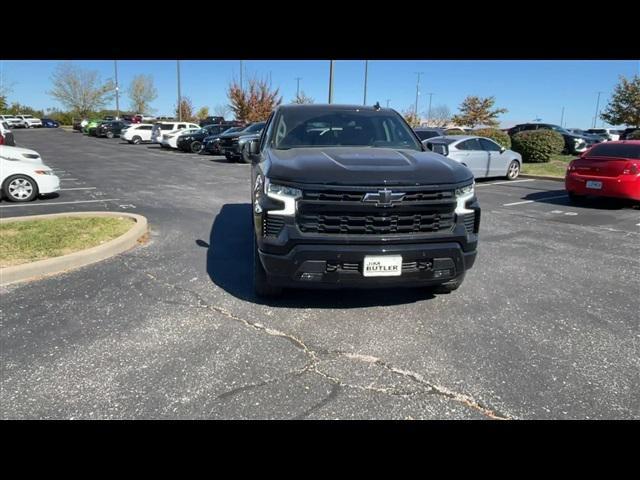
x: 594, y: 185
x: 382, y: 266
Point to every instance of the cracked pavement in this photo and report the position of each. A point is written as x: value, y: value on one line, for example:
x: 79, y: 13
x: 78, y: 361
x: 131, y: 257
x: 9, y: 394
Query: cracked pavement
x: 545, y: 325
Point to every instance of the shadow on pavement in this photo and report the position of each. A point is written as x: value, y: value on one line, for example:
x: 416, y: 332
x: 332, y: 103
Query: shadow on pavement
x: 229, y: 265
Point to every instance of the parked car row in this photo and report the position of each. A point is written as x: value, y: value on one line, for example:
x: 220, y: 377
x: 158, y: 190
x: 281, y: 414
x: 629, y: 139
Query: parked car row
x: 23, y: 121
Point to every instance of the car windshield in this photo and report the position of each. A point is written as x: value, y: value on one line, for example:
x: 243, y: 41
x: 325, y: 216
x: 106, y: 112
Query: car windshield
x: 424, y: 134
x: 305, y: 127
x: 620, y: 150
x: 256, y: 127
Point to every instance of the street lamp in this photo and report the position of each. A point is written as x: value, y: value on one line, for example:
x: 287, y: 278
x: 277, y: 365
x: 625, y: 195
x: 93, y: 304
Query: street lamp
x: 417, y: 93
x: 331, y: 81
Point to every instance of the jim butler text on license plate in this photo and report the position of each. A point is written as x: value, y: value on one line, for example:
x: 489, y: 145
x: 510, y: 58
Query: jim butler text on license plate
x: 382, y: 266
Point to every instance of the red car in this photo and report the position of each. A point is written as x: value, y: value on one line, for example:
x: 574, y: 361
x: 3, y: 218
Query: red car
x: 609, y: 169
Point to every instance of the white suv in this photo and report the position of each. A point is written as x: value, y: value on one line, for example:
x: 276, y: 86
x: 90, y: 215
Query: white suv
x: 29, y: 121
x: 11, y: 120
x: 165, y: 127
x: 137, y: 133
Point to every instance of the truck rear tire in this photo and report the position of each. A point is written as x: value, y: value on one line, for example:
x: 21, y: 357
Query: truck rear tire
x: 260, y: 280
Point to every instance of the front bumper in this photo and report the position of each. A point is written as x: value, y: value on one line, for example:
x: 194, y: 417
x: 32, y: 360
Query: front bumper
x: 622, y: 186
x: 334, y: 266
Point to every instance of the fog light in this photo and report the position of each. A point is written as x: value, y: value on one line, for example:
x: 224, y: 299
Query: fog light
x: 310, y: 276
x: 441, y: 273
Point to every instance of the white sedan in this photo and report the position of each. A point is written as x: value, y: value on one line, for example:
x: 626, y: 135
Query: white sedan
x: 483, y: 156
x: 170, y: 139
x: 24, y: 180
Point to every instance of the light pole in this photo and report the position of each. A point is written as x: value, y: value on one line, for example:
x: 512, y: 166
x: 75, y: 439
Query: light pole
x: 595, y: 118
x: 331, y: 81
x: 415, y: 113
x: 388, y: 100
x: 366, y: 72
x: 179, y: 95
x: 115, y: 64
x: 241, y: 87
x: 562, y: 117
x: 429, y: 112
x: 298, y: 87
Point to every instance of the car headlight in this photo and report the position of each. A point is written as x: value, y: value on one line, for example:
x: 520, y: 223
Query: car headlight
x: 463, y: 195
x: 43, y: 172
x: 30, y: 155
x: 282, y: 193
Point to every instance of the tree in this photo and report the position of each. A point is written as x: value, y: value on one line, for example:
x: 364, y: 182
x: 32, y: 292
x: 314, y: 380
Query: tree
x: 142, y: 92
x: 3, y: 103
x: 203, y: 113
x: 255, y: 103
x: 478, y: 111
x: 301, y: 98
x: 411, y: 117
x: 186, y: 107
x: 81, y: 91
x: 18, y: 109
x: 624, y: 106
x: 440, y: 116
x: 222, y: 110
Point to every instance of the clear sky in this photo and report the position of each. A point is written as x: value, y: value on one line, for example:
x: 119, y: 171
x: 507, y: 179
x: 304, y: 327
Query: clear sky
x: 528, y: 89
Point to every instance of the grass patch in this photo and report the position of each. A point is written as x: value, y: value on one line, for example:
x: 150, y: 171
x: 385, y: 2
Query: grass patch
x: 556, y: 167
x: 31, y: 240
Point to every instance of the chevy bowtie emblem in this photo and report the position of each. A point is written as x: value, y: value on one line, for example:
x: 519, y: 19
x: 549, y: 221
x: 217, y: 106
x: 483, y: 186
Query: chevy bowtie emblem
x: 384, y: 198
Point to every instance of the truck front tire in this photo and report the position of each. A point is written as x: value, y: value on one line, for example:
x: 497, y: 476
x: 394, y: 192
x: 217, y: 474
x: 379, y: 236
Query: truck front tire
x: 261, y: 284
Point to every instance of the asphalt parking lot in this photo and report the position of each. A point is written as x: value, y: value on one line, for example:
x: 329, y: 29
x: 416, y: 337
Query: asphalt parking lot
x: 545, y: 325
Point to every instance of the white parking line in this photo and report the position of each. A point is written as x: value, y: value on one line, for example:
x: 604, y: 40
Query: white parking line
x: 532, y: 201
x: 46, y: 204
x: 77, y: 188
x: 506, y: 181
x: 68, y: 179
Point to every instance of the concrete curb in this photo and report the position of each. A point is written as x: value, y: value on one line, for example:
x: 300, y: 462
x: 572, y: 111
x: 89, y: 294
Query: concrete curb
x: 52, y: 266
x: 543, y: 177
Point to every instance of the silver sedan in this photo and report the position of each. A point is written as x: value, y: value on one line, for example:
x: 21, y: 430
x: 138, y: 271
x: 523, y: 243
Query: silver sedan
x: 484, y: 157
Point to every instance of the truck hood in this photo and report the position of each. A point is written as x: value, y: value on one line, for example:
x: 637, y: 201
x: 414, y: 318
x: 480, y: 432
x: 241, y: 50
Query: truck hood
x: 364, y: 166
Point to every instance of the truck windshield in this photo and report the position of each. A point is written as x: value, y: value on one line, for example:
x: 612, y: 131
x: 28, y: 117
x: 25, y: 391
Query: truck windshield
x: 302, y: 128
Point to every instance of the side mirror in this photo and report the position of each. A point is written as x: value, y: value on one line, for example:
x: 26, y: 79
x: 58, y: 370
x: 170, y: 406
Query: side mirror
x: 502, y: 149
x: 253, y: 149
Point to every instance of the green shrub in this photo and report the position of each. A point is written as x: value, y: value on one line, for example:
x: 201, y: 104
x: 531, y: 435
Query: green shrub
x: 537, y: 146
x: 634, y: 135
x: 500, y: 137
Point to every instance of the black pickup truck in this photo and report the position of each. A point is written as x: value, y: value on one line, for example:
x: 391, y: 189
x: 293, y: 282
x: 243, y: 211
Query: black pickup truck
x: 347, y: 196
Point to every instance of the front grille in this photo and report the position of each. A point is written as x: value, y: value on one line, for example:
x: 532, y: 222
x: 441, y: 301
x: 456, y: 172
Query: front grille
x: 356, y: 267
x: 469, y: 222
x: 342, y: 211
x: 272, y: 226
x: 375, y: 224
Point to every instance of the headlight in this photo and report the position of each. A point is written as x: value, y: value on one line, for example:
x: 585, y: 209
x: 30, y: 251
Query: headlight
x: 30, y: 155
x: 285, y: 194
x: 43, y: 172
x: 463, y: 195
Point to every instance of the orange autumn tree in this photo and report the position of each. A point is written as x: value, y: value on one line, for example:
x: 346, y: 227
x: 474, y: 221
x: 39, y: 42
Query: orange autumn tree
x: 255, y: 102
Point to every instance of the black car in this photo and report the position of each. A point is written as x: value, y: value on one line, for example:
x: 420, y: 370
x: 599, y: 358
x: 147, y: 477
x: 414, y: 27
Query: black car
x: 347, y: 196
x: 211, y: 144
x: 77, y: 124
x: 627, y: 131
x: 193, y: 142
x: 425, y: 133
x: 49, y: 123
x: 233, y: 144
x: 110, y: 129
x: 212, y: 121
x: 573, y: 143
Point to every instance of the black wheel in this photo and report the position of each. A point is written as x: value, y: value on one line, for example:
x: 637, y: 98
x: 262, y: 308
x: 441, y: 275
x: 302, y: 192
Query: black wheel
x: 513, y: 171
x: 136, y: 140
x: 20, y: 188
x: 228, y: 157
x: 260, y: 280
x: 196, y: 147
x: 573, y: 198
x: 449, y: 286
x: 109, y: 134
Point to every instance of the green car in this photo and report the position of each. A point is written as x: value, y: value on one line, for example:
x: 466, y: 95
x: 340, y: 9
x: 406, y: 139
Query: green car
x: 93, y: 124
